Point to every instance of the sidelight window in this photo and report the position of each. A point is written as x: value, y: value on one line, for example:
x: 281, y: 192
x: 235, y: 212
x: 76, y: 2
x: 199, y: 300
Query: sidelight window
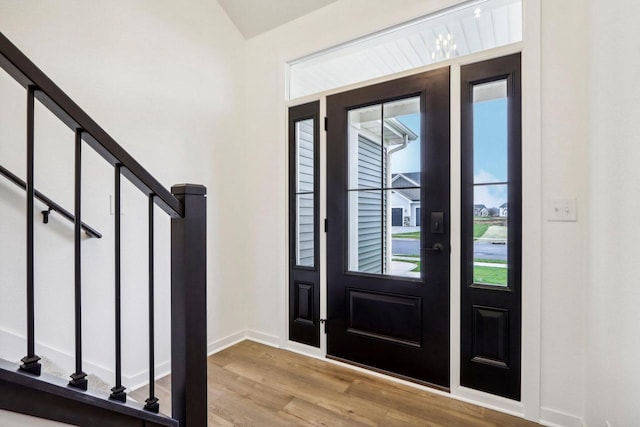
x: 491, y: 294
x: 304, y: 271
x: 490, y: 184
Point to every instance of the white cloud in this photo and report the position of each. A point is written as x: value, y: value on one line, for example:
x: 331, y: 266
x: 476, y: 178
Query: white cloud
x: 492, y: 196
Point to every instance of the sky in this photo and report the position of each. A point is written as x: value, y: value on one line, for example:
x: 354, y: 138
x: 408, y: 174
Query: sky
x: 490, y: 152
x: 408, y: 160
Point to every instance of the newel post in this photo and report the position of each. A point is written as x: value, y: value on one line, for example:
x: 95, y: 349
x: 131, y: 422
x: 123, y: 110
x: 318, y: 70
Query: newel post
x: 189, y: 307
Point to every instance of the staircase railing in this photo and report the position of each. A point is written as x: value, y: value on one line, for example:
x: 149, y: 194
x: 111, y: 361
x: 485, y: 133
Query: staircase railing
x: 185, y: 204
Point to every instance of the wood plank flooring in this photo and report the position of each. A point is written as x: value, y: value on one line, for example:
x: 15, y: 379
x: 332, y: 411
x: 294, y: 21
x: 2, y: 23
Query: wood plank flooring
x: 251, y: 384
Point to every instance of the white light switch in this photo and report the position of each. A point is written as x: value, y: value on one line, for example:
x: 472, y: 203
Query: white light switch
x: 563, y: 210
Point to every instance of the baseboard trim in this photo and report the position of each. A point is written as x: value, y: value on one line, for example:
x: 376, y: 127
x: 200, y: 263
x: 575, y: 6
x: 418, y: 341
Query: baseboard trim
x: 262, y: 338
x: 306, y: 350
x: 141, y: 379
x: 553, y: 418
x: 226, y: 342
x: 489, y: 401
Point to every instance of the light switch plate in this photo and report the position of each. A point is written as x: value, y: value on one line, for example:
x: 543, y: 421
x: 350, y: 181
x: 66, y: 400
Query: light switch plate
x: 563, y: 210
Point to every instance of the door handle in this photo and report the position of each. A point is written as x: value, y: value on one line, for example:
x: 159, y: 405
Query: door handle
x: 437, y: 248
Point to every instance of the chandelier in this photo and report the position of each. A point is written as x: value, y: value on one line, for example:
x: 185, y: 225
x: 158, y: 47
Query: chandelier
x: 445, y: 48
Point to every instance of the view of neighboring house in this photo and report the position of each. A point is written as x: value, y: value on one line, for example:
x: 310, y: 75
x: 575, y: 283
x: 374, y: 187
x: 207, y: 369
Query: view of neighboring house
x: 484, y: 211
x: 480, y: 210
x: 405, y: 200
x: 504, y: 211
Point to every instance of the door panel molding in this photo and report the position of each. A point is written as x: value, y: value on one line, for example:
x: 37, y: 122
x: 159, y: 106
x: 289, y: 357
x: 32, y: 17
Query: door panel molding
x: 394, y: 318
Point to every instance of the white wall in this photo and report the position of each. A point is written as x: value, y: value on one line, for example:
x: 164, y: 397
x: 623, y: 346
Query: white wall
x: 614, y: 298
x: 164, y: 80
x: 565, y: 135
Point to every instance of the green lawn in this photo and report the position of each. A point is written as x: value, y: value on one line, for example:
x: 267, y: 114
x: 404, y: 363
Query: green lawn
x: 479, y: 229
x: 411, y: 235
x: 492, y: 261
x: 490, y: 275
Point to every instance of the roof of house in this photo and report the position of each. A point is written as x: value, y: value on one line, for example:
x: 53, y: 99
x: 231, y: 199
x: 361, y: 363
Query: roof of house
x: 407, y: 179
x: 413, y: 176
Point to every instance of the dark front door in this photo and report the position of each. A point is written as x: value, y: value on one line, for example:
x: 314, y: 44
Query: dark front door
x: 388, y: 294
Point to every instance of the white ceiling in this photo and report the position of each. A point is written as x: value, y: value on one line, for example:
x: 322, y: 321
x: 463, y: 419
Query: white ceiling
x: 253, y: 17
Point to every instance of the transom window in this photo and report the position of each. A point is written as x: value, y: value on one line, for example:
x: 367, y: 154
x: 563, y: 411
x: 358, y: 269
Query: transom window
x: 469, y: 27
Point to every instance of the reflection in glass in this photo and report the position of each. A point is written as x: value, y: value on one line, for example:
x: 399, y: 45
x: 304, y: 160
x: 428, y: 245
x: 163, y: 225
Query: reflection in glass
x: 384, y: 188
x: 304, y: 230
x: 305, y: 220
x: 304, y: 156
x: 490, y: 207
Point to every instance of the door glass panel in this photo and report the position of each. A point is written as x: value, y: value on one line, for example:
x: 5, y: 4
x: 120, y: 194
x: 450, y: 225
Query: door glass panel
x: 366, y: 230
x: 384, y: 188
x: 305, y: 226
x: 365, y: 152
x: 490, y: 207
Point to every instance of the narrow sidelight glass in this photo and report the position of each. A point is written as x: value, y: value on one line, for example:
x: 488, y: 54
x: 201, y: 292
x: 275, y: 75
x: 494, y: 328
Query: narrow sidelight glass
x: 490, y: 184
x: 304, y: 176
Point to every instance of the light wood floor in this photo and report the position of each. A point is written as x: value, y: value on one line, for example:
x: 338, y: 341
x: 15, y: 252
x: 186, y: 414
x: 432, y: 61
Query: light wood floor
x: 252, y: 384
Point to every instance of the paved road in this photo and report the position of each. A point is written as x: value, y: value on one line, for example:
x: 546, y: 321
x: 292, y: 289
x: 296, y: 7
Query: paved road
x: 486, y: 250
x: 483, y: 250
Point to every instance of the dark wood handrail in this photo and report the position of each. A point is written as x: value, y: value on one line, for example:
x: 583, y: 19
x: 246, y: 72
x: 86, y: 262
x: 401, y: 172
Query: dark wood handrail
x: 92, y: 232
x: 51, y: 96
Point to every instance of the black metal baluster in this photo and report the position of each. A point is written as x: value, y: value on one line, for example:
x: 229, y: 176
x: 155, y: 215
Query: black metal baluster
x: 78, y: 378
x: 117, y: 392
x: 31, y: 362
x: 152, y: 403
